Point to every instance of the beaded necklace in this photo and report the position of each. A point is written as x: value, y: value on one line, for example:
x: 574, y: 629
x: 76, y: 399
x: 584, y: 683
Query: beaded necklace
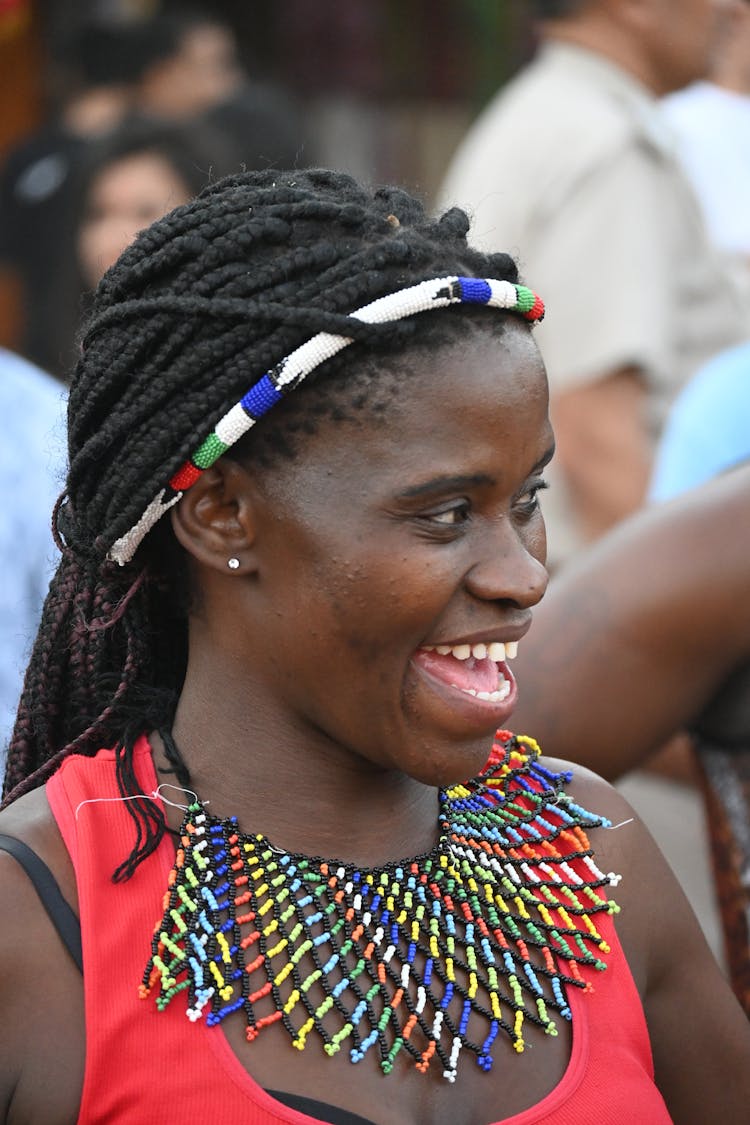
x: 425, y: 957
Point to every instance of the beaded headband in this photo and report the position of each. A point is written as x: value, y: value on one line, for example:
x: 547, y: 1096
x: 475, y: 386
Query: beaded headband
x: 291, y: 371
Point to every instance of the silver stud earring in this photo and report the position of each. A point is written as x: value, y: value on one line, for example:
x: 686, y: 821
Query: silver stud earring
x: 233, y: 563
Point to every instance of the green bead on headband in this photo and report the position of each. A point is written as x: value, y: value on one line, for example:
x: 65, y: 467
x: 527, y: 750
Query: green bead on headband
x: 291, y: 371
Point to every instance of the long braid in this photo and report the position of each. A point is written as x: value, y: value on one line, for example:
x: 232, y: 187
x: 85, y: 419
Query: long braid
x: 197, y: 309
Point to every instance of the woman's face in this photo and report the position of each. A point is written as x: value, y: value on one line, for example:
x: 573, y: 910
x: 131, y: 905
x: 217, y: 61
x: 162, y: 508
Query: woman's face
x: 124, y: 198
x: 393, y: 546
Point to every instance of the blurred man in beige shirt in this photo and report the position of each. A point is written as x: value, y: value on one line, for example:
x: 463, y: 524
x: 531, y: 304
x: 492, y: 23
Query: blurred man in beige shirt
x: 572, y: 168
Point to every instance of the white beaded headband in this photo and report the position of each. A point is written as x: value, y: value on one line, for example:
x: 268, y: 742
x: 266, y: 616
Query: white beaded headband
x: 290, y: 372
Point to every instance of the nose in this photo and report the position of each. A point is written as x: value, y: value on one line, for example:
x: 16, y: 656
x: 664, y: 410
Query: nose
x: 510, y: 569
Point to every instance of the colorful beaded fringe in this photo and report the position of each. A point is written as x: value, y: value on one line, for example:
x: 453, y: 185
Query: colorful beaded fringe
x: 436, y: 293
x: 424, y: 958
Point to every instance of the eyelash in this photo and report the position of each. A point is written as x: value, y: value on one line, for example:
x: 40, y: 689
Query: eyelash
x: 463, y: 509
x: 532, y: 504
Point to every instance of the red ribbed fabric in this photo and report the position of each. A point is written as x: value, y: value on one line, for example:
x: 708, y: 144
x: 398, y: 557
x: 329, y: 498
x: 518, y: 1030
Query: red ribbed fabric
x: 609, y: 1080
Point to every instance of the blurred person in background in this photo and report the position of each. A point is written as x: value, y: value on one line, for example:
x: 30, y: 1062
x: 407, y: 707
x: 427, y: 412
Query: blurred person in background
x: 708, y: 428
x: 707, y: 435
x: 572, y: 161
x: 32, y: 464
x: 646, y: 634
x: 177, y: 64
x: 127, y: 180
x: 711, y: 120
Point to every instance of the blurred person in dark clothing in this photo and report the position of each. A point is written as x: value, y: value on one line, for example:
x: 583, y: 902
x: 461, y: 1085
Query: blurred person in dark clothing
x: 177, y: 65
x: 125, y: 181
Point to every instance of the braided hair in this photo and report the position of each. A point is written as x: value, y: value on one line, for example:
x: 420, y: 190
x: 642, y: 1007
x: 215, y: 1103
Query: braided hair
x: 193, y: 312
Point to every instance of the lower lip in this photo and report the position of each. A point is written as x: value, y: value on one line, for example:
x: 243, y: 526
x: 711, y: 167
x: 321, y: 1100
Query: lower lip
x: 478, y: 714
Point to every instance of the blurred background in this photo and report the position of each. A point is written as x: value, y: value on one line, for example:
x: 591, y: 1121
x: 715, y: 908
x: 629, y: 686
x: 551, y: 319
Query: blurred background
x: 356, y: 84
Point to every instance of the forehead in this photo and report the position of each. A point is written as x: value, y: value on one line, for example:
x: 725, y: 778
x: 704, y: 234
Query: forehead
x: 496, y: 363
x: 478, y: 388
x: 478, y: 403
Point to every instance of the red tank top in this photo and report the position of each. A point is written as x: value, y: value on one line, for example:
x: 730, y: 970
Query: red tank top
x: 609, y: 1079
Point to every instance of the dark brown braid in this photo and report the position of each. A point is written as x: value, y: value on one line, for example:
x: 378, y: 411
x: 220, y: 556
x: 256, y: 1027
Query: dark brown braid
x: 192, y: 314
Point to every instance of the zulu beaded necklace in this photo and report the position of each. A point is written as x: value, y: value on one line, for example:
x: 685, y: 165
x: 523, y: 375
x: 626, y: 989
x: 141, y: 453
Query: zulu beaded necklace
x: 425, y: 958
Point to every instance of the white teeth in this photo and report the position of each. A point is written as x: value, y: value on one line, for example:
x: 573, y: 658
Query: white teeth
x: 496, y: 651
x: 498, y: 696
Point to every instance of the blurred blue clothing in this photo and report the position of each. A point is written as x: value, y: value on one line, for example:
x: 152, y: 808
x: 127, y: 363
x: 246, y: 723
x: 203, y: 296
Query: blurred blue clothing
x: 708, y: 429
x: 32, y: 469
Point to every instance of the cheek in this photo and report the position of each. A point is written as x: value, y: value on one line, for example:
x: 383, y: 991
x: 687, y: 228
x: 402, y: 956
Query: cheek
x: 380, y: 606
x: 536, y: 540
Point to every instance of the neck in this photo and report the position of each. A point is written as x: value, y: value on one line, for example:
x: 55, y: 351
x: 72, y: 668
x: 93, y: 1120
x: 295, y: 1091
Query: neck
x: 596, y: 33
x: 305, y: 793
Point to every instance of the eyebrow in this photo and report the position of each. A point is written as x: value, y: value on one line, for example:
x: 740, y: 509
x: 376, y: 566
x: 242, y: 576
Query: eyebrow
x: 470, y: 480
x: 441, y: 484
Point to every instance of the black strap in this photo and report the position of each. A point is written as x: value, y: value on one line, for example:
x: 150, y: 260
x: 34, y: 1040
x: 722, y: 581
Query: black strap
x: 69, y: 929
x: 321, y: 1111
x: 45, y: 884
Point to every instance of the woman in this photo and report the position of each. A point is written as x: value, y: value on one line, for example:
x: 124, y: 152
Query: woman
x: 305, y: 625
x: 126, y: 180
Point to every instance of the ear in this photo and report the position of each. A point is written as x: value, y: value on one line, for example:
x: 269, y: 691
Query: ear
x: 215, y: 519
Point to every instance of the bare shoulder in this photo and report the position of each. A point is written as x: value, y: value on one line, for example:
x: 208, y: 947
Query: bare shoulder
x: 700, y: 1037
x: 41, y: 991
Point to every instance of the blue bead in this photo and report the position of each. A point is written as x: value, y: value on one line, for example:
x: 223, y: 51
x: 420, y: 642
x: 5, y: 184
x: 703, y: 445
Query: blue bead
x: 358, y: 1012
x: 474, y: 290
x: 197, y: 947
x: 260, y: 398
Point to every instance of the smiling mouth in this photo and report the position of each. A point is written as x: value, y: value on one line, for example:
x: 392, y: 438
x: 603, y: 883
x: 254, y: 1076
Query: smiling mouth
x: 477, y: 670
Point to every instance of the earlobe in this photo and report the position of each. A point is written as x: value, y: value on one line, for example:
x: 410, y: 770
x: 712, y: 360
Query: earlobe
x: 215, y: 519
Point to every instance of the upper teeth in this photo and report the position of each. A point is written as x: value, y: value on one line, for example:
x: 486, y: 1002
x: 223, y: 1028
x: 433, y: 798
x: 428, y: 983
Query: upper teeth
x: 496, y: 650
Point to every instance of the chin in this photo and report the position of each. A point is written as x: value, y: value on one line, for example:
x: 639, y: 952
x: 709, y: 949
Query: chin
x: 449, y: 766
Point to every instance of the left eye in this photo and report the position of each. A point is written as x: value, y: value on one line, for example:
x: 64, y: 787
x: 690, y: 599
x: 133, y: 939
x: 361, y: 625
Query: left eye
x: 449, y: 517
